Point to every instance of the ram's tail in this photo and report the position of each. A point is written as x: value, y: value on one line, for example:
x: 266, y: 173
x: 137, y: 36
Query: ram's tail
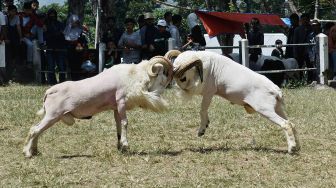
x: 42, y: 110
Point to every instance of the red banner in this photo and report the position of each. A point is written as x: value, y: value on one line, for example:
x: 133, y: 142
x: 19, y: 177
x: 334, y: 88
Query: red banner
x: 221, y: 22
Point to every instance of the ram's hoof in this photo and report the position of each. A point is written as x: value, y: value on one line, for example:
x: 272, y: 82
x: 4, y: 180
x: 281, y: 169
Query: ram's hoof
x: 200, y: 133
x: 123, y: 148
x: 29, y: 152
x: 293, y: 149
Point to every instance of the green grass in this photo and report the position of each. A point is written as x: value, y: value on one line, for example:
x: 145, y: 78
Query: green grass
x: 238, y: 150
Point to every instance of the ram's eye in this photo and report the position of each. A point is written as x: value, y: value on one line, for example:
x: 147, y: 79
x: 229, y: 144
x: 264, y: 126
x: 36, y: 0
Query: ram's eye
x: 183, y: 79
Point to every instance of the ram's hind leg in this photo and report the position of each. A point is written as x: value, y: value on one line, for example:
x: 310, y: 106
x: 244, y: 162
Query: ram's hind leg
x: 290, y: 130
x: 270, y: 108
x: 30, y: 148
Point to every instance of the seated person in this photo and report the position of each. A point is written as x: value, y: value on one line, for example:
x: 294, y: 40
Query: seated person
x: 278, y: 52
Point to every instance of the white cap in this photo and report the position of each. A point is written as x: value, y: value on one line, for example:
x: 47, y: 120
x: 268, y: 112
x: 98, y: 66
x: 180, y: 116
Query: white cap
x: 162, y: 23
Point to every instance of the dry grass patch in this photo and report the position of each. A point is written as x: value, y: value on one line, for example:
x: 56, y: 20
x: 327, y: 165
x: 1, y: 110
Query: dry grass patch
x: 238, y: 150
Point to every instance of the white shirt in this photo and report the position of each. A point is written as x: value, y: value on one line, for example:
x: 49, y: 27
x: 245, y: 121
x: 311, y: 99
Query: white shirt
x: 175, y: 34
x: 2, y: 20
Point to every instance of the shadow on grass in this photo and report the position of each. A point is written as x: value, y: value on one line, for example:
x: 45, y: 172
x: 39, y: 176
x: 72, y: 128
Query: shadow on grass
x: 206, y: 150
x: 155, y: 153
x: 3, y: 129
x: 75, y: 156
x: 226, y: 149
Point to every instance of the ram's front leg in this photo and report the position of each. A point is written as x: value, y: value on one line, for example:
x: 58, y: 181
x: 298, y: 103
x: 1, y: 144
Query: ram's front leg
x: 122, y: 125
x: 204, y: 114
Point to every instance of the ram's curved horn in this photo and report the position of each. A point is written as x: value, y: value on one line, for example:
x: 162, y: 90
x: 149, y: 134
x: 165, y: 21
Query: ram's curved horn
x: 172, y: 54
x: 192, y: 61
x: 168, y: 67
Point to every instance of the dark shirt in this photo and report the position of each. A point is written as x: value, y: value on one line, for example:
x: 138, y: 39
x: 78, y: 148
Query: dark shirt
x: 54, y: 34
x: 301, y: 35
x: 161, y: 43
x: 289, y: 50
x: 255, y: 38
x: 278, y: 53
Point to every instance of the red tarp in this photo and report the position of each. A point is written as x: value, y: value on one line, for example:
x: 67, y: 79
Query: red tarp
x: 221, y: 22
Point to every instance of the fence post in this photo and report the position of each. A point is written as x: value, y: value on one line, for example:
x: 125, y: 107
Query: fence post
x: 324, y: 58
x: 101, y: 56
x: 171, y: 44
x: 37, y: 61
x: 244, y: 52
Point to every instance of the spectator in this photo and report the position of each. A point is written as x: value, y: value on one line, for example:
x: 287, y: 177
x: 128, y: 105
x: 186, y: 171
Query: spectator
x: 174, y: 30
x: 168, y: 18
x: 14, y: 37
x: 255, y: 37
x: 161, y: 38
x: 301, y: 35
x: 37, y: 29
x: 312, y: 50
x: 111, y: 38
x: 195, y: 31
x: 147, y: 34
x: 76, y: 44
x: 130, y: 41
x: 332, y: 49
x: 294, y: 20
x: 111, y: 55
x: 278, y: 52
x: 55, y: 47
x: 28, y: 20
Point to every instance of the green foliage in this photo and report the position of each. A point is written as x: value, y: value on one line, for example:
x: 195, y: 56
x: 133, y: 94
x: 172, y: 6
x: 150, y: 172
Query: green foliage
x: 62, y: 10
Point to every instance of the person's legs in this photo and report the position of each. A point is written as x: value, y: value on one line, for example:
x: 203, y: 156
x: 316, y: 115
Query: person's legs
x: 51, y: 68
x: 60, y: 58
x: 29, y: 45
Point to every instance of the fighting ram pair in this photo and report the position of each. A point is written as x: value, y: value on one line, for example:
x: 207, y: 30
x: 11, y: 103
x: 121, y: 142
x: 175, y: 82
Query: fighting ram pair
x: 124, y: 87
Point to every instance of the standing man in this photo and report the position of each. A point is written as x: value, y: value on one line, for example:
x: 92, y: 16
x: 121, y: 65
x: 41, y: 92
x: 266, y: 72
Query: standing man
x: 147, y: 34
x: 255, y: 37
x: 174, y: 30
x: 130, y: 42
x: 294, y: 20
x: 301, y: 35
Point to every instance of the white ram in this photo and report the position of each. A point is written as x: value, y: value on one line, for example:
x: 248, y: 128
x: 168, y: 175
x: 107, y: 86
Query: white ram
x: 119, y: 88
x: 207, y: 74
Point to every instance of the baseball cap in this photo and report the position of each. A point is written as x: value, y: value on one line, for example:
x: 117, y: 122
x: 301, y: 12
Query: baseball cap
x: 162, y: 23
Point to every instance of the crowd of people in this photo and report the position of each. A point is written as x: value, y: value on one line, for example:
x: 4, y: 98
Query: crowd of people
x: 302, y: 30
x: 58, y: 43
x: 150, y: 38
x: 63, y: 44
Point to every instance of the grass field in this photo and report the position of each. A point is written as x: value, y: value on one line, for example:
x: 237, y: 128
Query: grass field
x: 238, y: 150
